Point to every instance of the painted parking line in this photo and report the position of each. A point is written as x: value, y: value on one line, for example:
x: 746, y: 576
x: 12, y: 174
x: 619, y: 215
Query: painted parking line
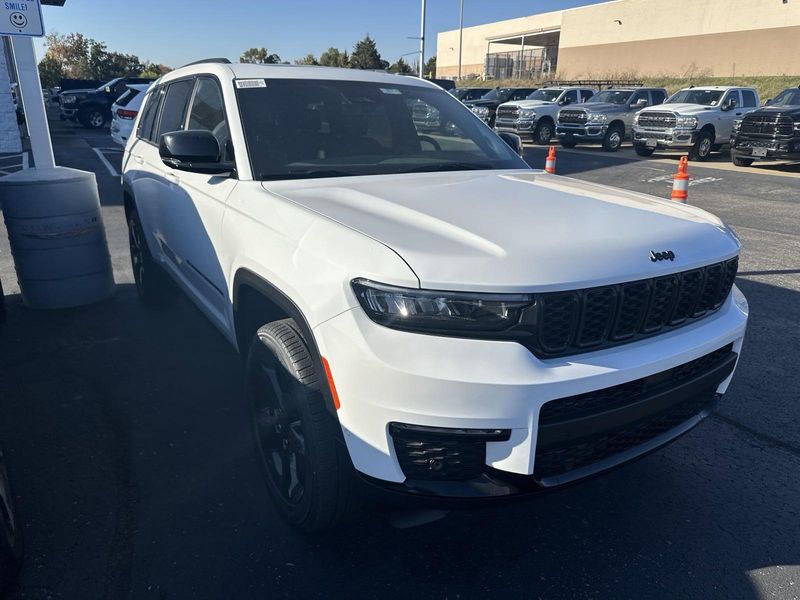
x: 693, y: 181
x: 111, y: 170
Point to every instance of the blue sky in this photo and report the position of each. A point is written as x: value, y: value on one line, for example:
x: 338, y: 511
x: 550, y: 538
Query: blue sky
x: 174, y: 32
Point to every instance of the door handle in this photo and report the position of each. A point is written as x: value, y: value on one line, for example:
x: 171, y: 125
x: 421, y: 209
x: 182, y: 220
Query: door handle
x: 173, y: 178
x: 138, y: 159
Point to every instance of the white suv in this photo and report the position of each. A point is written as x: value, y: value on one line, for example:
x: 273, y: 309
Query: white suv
x: 422, y: 315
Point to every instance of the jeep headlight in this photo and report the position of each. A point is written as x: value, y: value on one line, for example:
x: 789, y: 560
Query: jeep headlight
x: 446, y: 313
x: 686, y: 122
x: 481, y: 111
x: 597, y: 119
x: 527, y: 113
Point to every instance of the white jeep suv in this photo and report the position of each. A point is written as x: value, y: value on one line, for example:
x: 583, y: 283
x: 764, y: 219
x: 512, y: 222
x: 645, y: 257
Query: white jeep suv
x: 423, y: 316
x: 699, y: 120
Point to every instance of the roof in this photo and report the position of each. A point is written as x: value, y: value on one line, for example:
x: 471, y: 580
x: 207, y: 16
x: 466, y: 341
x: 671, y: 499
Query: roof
x: 720, y: 88
x: 250, y: 71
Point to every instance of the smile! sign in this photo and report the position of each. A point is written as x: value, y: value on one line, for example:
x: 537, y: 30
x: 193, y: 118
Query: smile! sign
x: 21, y: 17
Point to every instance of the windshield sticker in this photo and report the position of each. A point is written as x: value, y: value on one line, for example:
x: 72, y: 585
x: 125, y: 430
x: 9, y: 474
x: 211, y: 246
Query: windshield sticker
x: 250, y: 83
x: 391, y: 91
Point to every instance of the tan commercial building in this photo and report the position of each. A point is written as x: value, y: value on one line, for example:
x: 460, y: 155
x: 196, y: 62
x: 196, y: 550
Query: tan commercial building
x: 642, y: 37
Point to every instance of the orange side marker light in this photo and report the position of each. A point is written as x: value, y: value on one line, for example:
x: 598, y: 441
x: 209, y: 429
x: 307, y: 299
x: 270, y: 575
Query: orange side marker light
x: 331, y: 385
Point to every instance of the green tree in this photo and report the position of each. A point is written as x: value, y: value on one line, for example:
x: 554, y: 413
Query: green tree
x: 333, y: 57
x: 259, y: 56
x: 430, y: 67
x: 308, y: 59
x: 366, y: 56
x: 401, y: 67
x: 50, y: 71
x: 70, y: 51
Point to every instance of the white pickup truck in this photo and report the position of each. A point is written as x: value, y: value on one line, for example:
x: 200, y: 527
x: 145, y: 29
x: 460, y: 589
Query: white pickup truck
x: 698, y: 119
x: 535, y: 116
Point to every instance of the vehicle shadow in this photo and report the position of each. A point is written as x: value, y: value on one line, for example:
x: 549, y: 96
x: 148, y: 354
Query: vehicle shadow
x: 133, y: 458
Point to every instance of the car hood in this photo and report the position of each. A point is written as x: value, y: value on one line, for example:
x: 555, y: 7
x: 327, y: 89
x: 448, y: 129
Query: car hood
x: 600, y: 107
x: 529, y: 103
x: 680, y: 108
x: 776, y: 110
x: 486, y: 103
x: 516, y: 231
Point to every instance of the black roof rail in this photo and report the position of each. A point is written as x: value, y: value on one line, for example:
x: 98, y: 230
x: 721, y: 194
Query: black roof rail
x: 221, y: 61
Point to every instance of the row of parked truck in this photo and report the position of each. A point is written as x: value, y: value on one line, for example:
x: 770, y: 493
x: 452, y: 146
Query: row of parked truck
x: 699, y: 120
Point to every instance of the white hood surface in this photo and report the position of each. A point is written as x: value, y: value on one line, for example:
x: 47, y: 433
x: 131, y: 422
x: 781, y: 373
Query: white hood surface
x: 682, y: 108
x: 516, y: 231
x: 529, y: 103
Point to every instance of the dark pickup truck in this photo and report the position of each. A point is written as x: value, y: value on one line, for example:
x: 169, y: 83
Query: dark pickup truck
x: 486, y: 106
x: 769, y: 133
x: 92, y: 107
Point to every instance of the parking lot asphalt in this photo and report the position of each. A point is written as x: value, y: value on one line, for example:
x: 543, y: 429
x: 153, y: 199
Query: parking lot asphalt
x: 130, y: 448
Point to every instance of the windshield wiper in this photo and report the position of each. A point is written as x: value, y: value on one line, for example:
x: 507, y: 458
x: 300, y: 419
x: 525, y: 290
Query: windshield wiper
x: 453, y: 166
x: 306, y: 174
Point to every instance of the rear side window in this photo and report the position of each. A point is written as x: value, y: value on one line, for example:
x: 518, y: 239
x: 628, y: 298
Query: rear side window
x: 572, y: 96
x: 521, y: 94
x: 126, y: 98
x: 749, y: 98
x: 658, y: 96
x: 176, y: 101
x: 148, y: 120
x: 586, y: 94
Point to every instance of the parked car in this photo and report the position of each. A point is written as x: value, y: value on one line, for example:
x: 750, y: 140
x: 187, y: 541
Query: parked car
x: 769, y: 133
x: 124, y: 112
x: 426, y: 318
x: 92, y: 108
x: 699, y: 120
x: 534, y: 117
x: 606, y: 117
x: 467, y: 94
x: 486, y: 106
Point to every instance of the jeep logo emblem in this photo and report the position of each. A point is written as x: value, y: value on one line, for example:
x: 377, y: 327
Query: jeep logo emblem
x: 657, y: 256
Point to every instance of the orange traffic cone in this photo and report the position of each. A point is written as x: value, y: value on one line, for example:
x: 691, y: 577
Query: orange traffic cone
x: 550, y: 163
x: 680, y: 181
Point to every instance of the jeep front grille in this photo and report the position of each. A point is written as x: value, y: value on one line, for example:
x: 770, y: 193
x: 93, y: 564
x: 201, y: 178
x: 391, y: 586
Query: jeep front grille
x: 766, y: 126
x: 657, y: 120
x: 578, y: 117
x: 591, y: 319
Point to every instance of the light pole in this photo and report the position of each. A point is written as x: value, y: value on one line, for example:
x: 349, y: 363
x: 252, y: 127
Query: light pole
x: 422, y: 42
x: 460, y: 38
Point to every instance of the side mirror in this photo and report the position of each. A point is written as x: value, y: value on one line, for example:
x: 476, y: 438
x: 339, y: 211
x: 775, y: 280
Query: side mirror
x: 730, y: 104
x: 769, y: 101
x: 641, y: 103
x: 564, y: 101
x: 193, y: 150
x: 513, y: 140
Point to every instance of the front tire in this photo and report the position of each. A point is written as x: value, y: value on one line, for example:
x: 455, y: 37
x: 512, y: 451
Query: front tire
x: 644, y: 150
x: 613, y: 139
x: 568, y: 141
x: 702, y: 148
x: 308, y: 473
x: 152, y: 283
x: 543, y: 132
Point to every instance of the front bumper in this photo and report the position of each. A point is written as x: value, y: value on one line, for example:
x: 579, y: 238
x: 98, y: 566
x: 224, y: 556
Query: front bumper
x: 387, y: 378
x: 761, y: 149
x: 589, y: 133
x: 521, y: 127
x: 664, y: 138
x: 69, y: 113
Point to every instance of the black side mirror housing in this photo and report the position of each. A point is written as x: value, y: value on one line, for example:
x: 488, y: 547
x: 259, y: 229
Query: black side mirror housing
x: 513, y: 140
x: 193, y: 150
x: 730, y: 104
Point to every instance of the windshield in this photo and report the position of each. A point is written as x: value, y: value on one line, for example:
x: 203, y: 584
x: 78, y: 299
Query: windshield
x: 500, y: 94
x: 612, y: 96
x: 704, y: 97
x: 298, y: 129
x: 790, y: 97
x: 545, y: 95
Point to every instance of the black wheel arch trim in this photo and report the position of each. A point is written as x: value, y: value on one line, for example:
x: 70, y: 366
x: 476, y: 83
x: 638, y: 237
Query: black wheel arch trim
x: 287, y: 305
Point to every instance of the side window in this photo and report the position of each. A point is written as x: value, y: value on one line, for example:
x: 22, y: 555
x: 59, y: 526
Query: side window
x: 176, y: 101
x: 586, y: 94
x: 658, y: 96
x: 749, y: 98
x: 520, y: 94
x: 208, y: 113
x: 572, y: 96
x: 731, y: 94
x: 148, y: 118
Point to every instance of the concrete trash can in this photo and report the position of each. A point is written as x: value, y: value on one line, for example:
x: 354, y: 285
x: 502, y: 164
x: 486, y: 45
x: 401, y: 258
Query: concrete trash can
x: 57, y: 237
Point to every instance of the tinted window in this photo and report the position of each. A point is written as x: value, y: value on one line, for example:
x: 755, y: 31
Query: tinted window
x: 586, y: 94
x: 658, y: 96
x: 521, y: 94
x: 545, y: 95
x: 305, y: 128
x: 704, y: 97
x: 208, y: 112
x: 572, y: 95
x: 639, y: 96
x: 790, y: 97
x: 612, y: 96
x: 126, y: 97
x: 749, y: 98
x: 732, y: 94
x: 149, y: 115
x: 176, y: 100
